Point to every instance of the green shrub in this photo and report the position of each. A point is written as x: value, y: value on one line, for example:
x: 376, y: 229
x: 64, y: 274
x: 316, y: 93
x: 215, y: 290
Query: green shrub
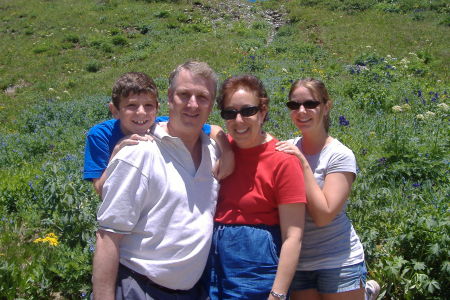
x: 93, y: 66
x: 119, y: 40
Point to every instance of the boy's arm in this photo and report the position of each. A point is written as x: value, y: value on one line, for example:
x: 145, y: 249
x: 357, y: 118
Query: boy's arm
x: 225, y: 165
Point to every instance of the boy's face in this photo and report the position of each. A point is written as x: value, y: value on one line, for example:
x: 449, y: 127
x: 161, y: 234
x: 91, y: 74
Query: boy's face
x: 136, y: 113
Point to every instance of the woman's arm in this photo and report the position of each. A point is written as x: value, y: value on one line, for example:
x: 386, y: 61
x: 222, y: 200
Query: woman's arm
x: 323, y: 204
x: 292, y: 221
x: 225, y: 165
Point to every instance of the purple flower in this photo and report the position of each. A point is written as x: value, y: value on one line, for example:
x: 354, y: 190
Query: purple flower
x: 419, y: 93
x: 382, y: 161
x: 406, y: 100
x: 416, y: 185
x: 343, y: 121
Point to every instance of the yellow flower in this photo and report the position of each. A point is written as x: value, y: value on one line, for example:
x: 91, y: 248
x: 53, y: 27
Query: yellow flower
x: 397, y: 108
x: 50, y: 238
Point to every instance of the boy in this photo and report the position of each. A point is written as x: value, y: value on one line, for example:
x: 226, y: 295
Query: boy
x: 134, y: 107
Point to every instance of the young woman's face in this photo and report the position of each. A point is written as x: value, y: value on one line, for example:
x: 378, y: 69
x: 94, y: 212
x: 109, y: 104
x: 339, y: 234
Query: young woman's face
x: 308, y: 119
x: 245, y: 130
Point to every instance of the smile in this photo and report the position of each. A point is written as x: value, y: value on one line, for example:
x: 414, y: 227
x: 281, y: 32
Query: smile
x: 140, y: 122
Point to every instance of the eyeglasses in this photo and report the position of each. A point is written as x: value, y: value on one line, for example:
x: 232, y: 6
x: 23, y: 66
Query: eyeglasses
x: 308, y: 104
x: 231, y: 114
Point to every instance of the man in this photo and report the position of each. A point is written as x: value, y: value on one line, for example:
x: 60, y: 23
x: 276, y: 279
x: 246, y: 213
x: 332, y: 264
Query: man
x: 156, y: 218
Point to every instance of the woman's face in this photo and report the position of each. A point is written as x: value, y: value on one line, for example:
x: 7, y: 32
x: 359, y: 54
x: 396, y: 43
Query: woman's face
x: 308, y: 119
x: 246, y: 131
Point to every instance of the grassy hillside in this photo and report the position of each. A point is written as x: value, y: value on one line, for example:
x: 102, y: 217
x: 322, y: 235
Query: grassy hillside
x: 386, y: 64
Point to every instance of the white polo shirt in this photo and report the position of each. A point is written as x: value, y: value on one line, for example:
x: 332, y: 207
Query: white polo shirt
x: 164, y: 206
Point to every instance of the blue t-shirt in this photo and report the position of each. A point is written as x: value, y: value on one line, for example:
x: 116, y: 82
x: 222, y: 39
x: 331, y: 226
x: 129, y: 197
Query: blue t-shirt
x: 100, y: 142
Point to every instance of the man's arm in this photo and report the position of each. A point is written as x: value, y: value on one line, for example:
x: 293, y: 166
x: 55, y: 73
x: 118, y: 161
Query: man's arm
x: 126, y: 141
x: 105, y: 266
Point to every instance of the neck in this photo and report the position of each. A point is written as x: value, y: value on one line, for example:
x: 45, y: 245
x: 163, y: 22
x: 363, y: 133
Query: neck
x: 191, y: 140
x: 313, y: 142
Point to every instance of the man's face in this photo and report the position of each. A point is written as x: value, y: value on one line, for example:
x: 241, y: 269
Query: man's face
x: 136, y: 112
x: 190, y: 102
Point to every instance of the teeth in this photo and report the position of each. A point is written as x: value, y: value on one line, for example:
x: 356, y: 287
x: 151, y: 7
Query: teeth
x: 241, y: 130
x: 140, y: 122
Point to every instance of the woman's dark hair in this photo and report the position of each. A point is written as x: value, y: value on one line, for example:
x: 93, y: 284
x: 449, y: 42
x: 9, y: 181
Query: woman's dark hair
x: 249, y: 83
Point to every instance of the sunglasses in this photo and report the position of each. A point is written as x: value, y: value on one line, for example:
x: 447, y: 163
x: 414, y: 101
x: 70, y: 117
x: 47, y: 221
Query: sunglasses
x: 308, y: 104
x: 231, y: 114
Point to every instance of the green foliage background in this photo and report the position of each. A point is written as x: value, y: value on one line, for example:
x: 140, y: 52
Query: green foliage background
x: 59, y: 60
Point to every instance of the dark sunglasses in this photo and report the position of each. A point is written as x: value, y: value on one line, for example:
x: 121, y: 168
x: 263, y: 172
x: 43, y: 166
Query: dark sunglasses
x: 231, y: 114
x: 308, y: 104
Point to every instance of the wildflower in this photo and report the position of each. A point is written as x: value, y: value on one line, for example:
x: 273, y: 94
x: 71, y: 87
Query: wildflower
x: 397, y: 108
x: 382, y: 161
x: 405, y: 107
x: 420, y: 117
x: 51, y: 89
x: 49, y: 238
x: 443, y: 106
x: 372, y: 133
x: 343, y: 121
x: 416, y: 185
x: 66, y: 92
x: 406, y: 100
x: 429, y: 114
x: 419, y: 93
x: 284, y: 70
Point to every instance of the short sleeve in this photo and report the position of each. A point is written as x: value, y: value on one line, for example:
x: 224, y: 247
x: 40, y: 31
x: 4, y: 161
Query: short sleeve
x: 123, y: 195
x: 289, y: 183
x: 342, y: 161
x: 96, y: 156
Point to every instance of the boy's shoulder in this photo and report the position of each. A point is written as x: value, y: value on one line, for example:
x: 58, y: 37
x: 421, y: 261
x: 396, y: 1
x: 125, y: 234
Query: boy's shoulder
x: 106, y: 127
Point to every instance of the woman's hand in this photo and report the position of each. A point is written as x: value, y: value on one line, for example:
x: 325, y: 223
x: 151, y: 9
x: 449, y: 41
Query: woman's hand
x: 289, y: 148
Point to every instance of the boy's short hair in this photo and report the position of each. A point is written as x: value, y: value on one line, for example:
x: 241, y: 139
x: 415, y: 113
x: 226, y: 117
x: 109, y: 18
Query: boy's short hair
x: 133, y: 82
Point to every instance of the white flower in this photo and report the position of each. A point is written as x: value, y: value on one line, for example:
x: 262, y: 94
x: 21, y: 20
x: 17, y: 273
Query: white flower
x: 420, y: 117
x: 51, y: 89
x: 429, y: 114
x: 397, y: 108
x: 443, y: 106
x: 406, y: 106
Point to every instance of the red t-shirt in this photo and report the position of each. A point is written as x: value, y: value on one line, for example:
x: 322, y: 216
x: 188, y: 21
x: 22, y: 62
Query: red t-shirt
x: 262, y: 179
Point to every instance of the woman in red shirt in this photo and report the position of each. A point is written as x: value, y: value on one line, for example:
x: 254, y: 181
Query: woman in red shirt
x: 261, y: 207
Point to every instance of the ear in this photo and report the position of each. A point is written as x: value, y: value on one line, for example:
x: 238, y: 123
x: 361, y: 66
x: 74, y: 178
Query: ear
x: 264, y: 112
x: 114, y: 111
x: 327, y: 107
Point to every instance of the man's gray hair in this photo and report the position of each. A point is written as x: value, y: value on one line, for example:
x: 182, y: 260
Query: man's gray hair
x: 197, y: 68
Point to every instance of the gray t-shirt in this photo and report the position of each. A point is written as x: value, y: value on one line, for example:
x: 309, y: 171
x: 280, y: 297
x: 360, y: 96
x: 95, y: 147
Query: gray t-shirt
x: 336, y: 244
